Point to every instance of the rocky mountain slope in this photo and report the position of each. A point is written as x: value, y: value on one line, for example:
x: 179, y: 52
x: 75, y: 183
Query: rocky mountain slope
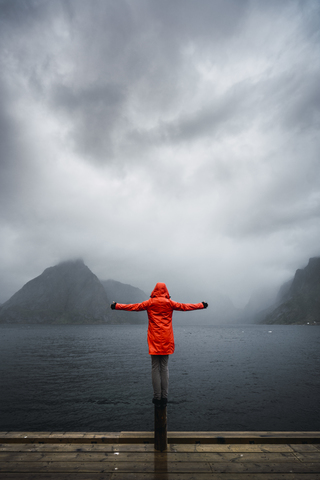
x: 124, y: 293
x: 68, y: 293
x: 298, y: 301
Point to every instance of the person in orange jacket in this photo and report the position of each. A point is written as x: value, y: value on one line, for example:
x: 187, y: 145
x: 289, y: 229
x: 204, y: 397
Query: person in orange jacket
x: 160, y: 334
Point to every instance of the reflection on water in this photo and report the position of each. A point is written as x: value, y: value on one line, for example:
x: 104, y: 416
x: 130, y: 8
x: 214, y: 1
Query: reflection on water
x: 160, y: 464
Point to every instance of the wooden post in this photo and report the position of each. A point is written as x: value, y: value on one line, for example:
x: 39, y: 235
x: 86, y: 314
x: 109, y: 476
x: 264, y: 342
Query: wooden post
x: 160, y: 428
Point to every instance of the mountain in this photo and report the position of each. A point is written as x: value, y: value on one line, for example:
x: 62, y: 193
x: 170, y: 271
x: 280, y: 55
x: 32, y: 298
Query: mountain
x: 298, y: 301
x: 68, y: 293
x: 124, y: 293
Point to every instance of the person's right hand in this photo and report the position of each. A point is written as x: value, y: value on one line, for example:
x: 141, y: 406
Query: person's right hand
x: 113, y: 305
x: 205, y: 305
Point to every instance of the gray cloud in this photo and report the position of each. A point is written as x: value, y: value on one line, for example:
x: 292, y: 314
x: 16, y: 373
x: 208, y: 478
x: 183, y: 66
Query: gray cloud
x: 160, y: 141
x: 95, y: 114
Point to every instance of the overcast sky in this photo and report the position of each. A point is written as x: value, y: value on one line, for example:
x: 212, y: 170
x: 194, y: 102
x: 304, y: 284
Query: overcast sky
x: 174, y: 141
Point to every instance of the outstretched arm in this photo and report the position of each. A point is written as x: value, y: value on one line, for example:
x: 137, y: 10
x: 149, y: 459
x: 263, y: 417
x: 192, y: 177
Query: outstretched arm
x: 131, y: 307
x: 185, y: 307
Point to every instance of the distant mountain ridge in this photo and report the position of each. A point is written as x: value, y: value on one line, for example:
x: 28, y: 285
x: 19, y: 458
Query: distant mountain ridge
x: 124, y: 293
x: 298, y: 300
x: 68, y: 293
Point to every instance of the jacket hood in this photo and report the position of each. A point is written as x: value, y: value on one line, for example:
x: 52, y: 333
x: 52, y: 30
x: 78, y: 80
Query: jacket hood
x: 160, y: 290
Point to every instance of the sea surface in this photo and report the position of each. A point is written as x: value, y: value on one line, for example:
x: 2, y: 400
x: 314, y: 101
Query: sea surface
x: 98, y: 378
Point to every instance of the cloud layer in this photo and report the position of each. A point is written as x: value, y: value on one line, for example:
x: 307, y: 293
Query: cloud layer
x: 160, y: 141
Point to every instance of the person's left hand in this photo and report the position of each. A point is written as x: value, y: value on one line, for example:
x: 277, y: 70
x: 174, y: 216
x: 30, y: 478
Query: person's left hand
x: 113, y: 305
x: 205, y: 305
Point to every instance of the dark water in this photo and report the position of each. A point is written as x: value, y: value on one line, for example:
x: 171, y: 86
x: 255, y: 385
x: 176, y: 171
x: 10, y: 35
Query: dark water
x: 97, y: 378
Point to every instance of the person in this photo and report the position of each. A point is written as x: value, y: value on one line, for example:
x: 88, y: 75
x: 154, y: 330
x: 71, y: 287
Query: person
x: 160, y: 335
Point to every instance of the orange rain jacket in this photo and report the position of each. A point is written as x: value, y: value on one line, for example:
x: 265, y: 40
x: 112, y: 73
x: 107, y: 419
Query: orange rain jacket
x: 159, y: 308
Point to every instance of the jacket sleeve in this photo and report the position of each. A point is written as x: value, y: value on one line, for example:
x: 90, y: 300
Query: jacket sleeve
x: 185, y: 307
x: 133, y: 307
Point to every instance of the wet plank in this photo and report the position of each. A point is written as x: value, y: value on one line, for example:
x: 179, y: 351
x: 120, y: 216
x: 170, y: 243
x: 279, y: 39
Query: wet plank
x: 243, y: 437
x: 198, y: 457
x: 105, y: 467
x: 308, y: 456
x: 266, y: 468
x: 173, y: 437
x: 57, y: 476
x: 243, y: 448
x: 165, y: 476
x: 59, y: 437
x: 158, y: 476
x: 83, y: 460
x: 83, y: 447
x: 304, y: 448
x: 67, y: 447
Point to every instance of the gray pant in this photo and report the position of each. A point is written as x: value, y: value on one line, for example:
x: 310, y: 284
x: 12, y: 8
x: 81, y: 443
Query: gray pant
x: 160, y: 376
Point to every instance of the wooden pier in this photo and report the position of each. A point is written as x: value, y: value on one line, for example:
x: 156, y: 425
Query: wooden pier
x: 132, y: 455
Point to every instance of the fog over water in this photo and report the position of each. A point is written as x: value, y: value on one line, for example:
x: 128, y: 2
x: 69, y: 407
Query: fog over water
x: 160, y: 141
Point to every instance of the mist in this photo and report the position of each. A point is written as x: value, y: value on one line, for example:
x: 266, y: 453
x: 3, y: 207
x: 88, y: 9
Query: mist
x: 172, y: 142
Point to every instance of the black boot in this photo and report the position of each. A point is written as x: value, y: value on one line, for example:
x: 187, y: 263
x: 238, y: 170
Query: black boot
x: 164, y: 402
x: 156, y: 402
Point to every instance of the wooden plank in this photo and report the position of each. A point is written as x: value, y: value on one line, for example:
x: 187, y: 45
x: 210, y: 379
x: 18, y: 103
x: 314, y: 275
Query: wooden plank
x: 149, y: 447
x: 163, y: 476
x: 233, y: 437
x: 59, y: 437
x: 308, y: 457
x: 102, y: 467
x: 204, y: 476
x: 57, y: 476
x: 262, y: 434
x: 233, y: 447
x: 104, y: 450
x: 83, y: 447
x: 189, y: 461
x: 212, y: 476
x: 184, y: 433
x: 160, y: 466
x: 133, y: 447
x: 304, y: 448
x: 173, y: 437
x: 256, y: 457
x: 61, y: 447
x: 266, y: 468
x: 156, y: 476
x: 93, y: 455
x: 243, y: 437
x: 88, y: 457
x: 170, y: 457
x: 243, y: 448
x: 136, y: 437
